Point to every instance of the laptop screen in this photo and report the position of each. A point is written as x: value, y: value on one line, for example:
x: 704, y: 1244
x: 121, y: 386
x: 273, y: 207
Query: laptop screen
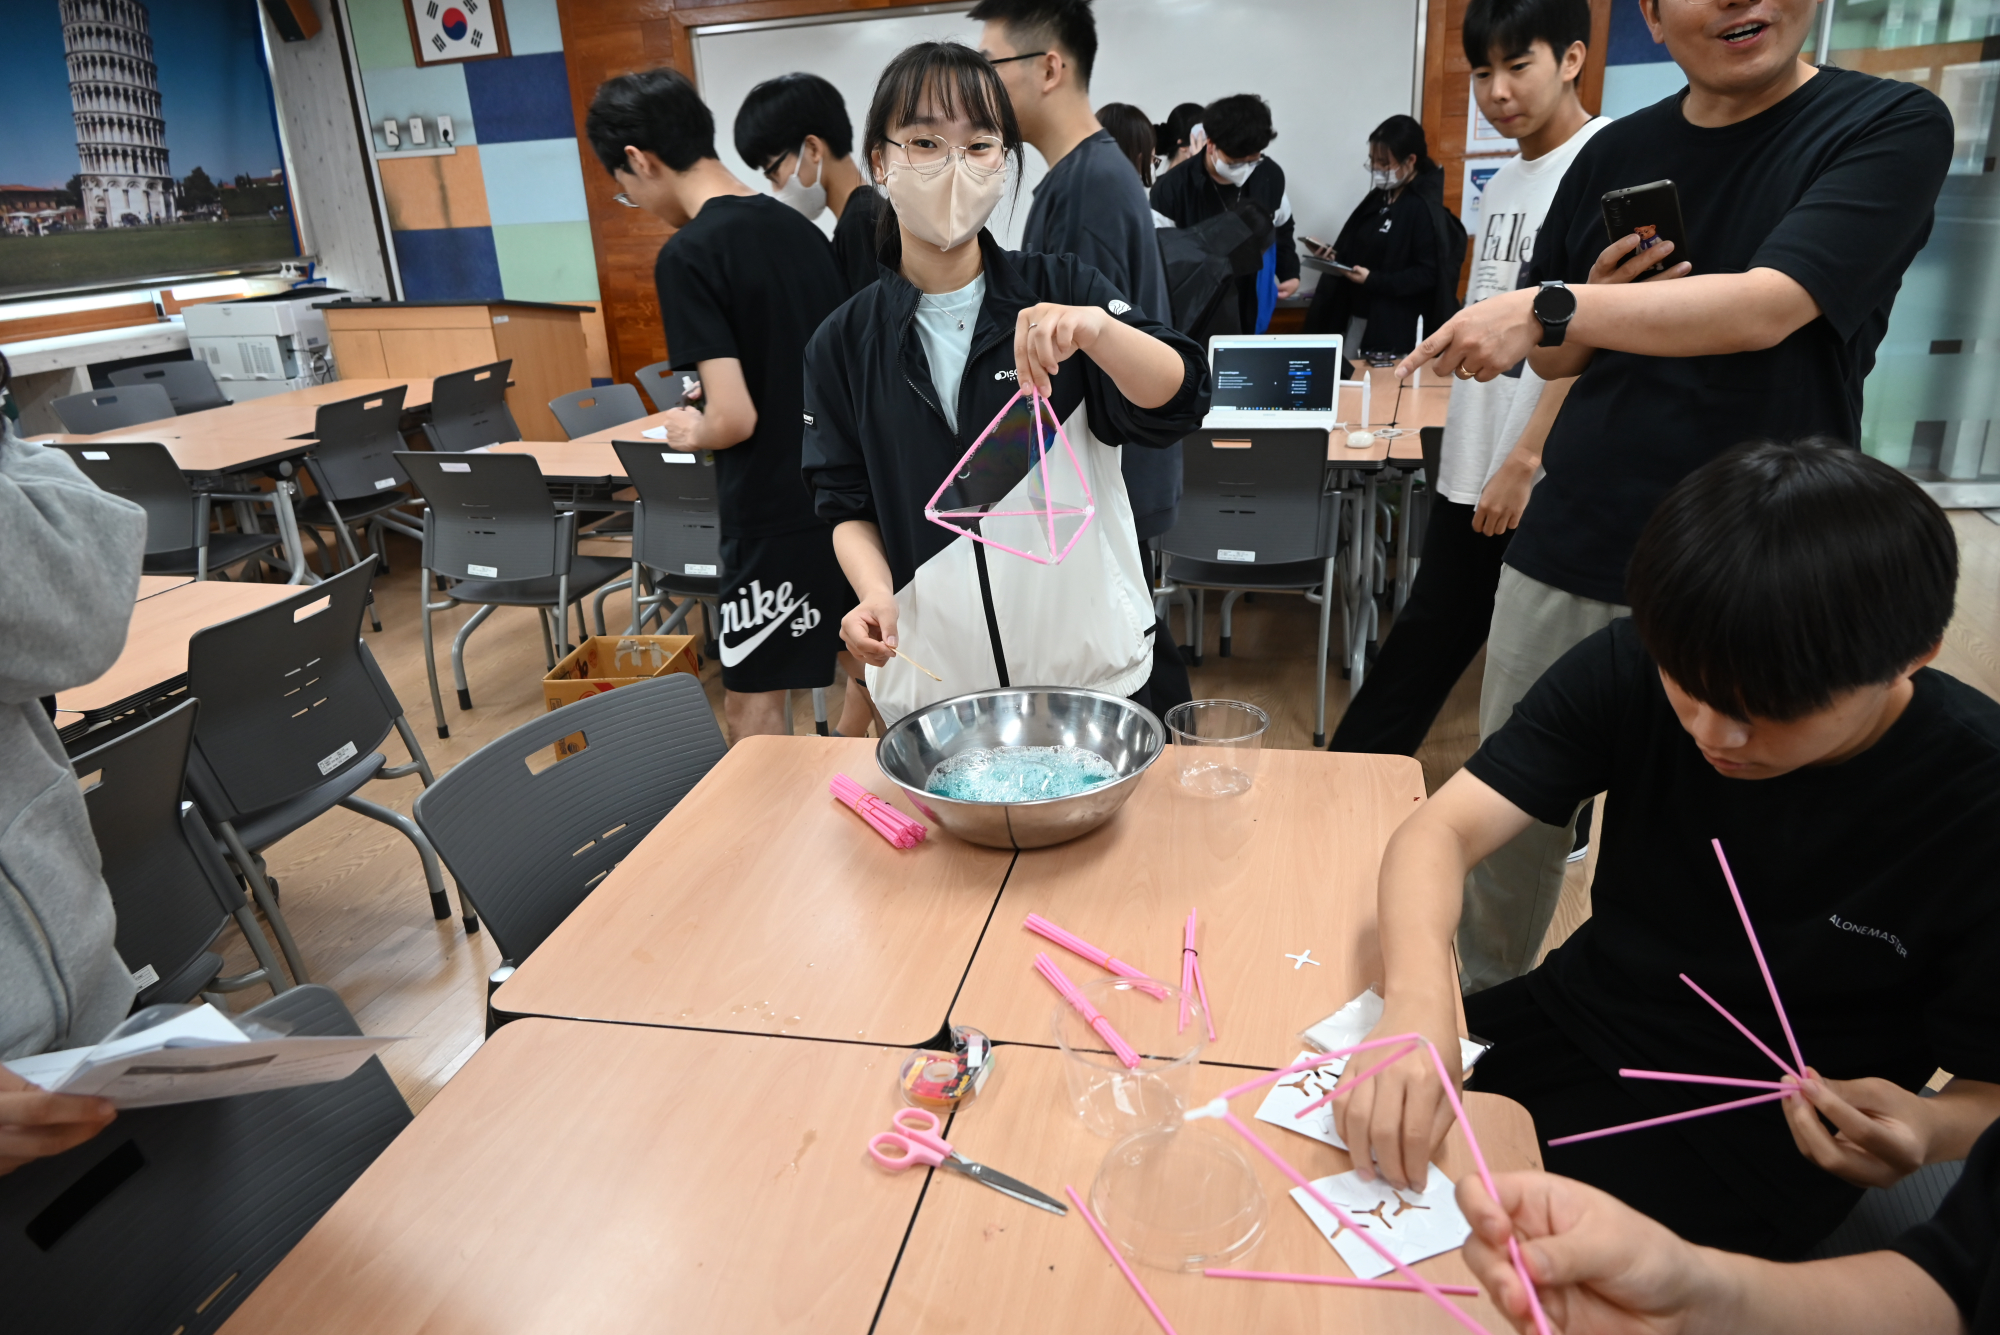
x: 1276, y: 378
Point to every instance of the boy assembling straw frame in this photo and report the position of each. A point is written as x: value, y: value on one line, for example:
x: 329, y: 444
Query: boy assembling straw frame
x: 1770, y: 690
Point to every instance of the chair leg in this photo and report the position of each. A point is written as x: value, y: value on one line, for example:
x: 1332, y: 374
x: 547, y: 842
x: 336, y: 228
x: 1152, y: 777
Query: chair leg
x: 430, y: 654
x: 678, y: 621
x: 562, y: 613
x: 417, y: 756
x: 268, y: 970
x: 433, y: 872
x: 260, y: 890
x: 1228, y: 606
x: 472, y: 623
x: 819, y: 711
x: 548, y: 644
x: 636, y: 596
x: 1198, y: 631
x: 1326, y: 592
x: 597, y: 603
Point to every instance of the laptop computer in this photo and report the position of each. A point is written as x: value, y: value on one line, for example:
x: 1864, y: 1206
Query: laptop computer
x: 1274, y: 380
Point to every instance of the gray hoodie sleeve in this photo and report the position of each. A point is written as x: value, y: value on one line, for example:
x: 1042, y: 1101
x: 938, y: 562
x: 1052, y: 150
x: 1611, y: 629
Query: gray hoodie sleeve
x: 69, y: 567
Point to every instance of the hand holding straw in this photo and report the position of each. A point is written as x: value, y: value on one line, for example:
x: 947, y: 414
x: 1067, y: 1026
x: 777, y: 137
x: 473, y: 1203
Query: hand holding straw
x: 913, y: 662
x: 890, y: 823
x: 1340, y: 1281
x: 1076, y: 945
x: 1729, y: 878
x: 1344, y: 1084
x: 1784, y: 1093
x: 1130, y: 1278
x: 1124, y: 1051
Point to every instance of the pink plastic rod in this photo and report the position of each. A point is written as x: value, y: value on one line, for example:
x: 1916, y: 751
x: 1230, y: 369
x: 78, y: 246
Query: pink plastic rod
x: 1343, y: 1084
x: 1685, y: 1079
x: 1784, y: 1022
x: 1076, y: 945
x: 1188, y: 955
x: 1340, y: 1281
x: 1081, y: 1004
x: 1675, y: 1117
x: 1201, y: 982
x: 1741, y: 1028
x: 1130, y: 1278
x: 1310, y: 1063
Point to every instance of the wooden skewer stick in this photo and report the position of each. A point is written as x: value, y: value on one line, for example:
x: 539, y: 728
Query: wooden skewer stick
x: 914, y: 663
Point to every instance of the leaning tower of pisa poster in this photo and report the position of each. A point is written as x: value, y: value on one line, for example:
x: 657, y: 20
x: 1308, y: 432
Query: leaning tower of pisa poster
x: 114, y: 87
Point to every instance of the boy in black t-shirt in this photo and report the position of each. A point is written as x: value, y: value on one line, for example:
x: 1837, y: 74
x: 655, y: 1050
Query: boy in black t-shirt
x: 743, y: 282
x: 1806, y: 192
x: 794, y: 127
x: 1769, y: 691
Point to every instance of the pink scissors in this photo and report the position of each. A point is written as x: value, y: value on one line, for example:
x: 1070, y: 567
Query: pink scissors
x: 915, y: 1141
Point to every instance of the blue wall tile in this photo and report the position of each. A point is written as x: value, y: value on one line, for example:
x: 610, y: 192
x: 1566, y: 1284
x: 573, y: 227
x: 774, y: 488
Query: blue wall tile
x: 521, y: 97
x: 448, y: 264
x: 534, y: 181
x: 1627, y: 88
x: 1631, y: 43
x: 533, y: 26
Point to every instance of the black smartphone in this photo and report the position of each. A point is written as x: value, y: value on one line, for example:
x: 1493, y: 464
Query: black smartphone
x: 1653, y: 212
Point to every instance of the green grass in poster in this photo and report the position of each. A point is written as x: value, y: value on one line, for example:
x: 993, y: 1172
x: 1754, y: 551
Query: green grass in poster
x: 108, y: 255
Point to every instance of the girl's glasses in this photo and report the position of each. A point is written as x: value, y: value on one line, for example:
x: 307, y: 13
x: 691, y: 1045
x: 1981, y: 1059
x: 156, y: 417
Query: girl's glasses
x: 927, y: 154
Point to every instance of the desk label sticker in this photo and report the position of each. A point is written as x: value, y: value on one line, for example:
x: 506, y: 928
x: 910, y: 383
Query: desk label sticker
x: 482, y: 572
x: 693, y: 569
x: 333, y: 762
x: 1232, y: 554
x: 384, y: 483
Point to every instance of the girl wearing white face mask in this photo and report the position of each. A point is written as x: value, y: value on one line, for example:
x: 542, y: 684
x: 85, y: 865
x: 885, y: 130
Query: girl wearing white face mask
x: 902, y: 379
x: 1391, y: 240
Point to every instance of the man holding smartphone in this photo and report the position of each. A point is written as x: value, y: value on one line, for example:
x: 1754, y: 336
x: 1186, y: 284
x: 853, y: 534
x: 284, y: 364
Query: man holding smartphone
x: 1805, y: 193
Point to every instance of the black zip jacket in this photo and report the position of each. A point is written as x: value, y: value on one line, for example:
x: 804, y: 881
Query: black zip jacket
x: 1188, y: 195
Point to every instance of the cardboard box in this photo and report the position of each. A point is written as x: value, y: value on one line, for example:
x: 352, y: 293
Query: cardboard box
x: 606, y: 662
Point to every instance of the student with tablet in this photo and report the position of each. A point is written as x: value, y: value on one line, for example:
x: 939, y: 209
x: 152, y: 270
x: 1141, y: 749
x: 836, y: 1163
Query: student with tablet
x: 1769, y: 691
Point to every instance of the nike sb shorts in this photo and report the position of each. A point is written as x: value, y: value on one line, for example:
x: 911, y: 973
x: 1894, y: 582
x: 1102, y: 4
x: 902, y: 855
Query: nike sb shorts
x: 782, y: 601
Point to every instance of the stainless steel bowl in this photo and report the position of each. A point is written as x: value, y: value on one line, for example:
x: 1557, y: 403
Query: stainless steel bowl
x: 1125, y: 734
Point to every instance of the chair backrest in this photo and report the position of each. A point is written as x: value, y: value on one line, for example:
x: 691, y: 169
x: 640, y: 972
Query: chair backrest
x: 528, y: 847
x: 112, y: 409
x: 598, y: 408
x: 662, y: 386
x: 676, y: 526
x: 358, y: 440
x: 287, y: 701
x: 171, y: 902
x: 190, y: 385
x: 172, y: 1216
x: 469, y: 408
x: 490, y: 516
x: 144, y: 472
x: 1253, y: 496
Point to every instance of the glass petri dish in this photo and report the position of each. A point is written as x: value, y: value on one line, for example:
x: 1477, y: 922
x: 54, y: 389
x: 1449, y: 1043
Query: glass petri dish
x: 1180, y: 1199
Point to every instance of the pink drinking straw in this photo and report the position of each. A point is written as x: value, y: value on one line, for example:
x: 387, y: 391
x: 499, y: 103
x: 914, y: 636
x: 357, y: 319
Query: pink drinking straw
x: 1130, y: 1278
x: 1676, y: 1117
x: 1729, y: 878
x: 1188, y: 956
x: 1091, y: 1015
x: 1345, y: 1084
x: 1200, y: 979
x: 1219, y: 1107
x: 1741, y: 1028
x: 1049, y: 512
x: 1683, y: 1078
x: 1076, y: 945
x: 1339, y: 1281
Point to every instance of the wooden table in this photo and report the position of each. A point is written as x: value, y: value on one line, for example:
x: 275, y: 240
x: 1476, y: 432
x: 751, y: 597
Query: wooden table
x: 977, y: 1262
x: 633, y: 430
x: 762, y: 905
x: 1286, y: 868
x: 1421, y: 406
x: 155, y: 657
x: 292, y: 413
x: 603, y: 1177
x: 581, y: 462
x: 150, y: 585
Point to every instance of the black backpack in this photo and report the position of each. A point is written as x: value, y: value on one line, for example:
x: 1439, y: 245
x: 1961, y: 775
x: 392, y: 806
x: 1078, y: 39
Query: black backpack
x: 1204, y: 261
x: 1451, y: 237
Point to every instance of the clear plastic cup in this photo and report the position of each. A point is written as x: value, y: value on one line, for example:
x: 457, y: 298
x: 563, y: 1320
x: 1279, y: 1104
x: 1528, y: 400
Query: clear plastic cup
x: 1216, y: 744
x: 1180, y: 1198
x: 1111, y: 1099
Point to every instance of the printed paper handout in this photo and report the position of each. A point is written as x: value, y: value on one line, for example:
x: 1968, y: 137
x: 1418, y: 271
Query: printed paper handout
x: 1352, y: 1023
x: 1294, y: 1092
x: 1412, y: 1224
x: 183, y: 1056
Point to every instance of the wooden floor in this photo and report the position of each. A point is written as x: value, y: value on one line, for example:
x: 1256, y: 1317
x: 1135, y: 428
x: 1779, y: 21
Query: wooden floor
x: 354, y: 893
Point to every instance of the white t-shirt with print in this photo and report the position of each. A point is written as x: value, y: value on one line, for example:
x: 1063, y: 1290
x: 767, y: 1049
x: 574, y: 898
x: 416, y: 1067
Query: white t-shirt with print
x: 1486, y: 419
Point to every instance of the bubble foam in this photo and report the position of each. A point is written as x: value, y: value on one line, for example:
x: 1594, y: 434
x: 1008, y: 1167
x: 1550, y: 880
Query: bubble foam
x: 1019, y: 774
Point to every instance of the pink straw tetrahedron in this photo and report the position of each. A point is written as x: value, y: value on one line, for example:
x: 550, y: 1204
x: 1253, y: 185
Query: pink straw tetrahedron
x: 1784, y: 1022
x: 1112, y: 1248
x: 966, y: 521
x: 1071, y: 993
x: 1076, y: 945
x: 884, y: 819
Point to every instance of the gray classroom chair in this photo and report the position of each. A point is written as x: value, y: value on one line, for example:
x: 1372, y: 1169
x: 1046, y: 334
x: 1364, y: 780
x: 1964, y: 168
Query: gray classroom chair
x: 171, y: 1217
x: 190, y: 385
x: 1883, y: 1213
x: 356, y: 479
x: 469, y: 409
x: 180, y: 539
x: 294, y: 709
x: 490, y: 529
x: 112, y: 409
x: 173, y: 892
x: 662, y: 386
x: 1256, y: 514
x: 598, y: 408
x: 528, y: 846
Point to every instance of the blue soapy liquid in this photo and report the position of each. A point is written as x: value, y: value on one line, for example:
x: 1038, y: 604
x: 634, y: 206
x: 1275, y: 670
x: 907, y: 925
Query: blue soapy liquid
x: 1019, y: 774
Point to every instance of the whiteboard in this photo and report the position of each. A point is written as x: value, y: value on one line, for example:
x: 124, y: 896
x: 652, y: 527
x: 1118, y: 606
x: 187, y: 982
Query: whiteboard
x: 1332, y: 70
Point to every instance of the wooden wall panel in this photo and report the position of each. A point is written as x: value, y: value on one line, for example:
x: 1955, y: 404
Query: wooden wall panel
x: 77, y: 322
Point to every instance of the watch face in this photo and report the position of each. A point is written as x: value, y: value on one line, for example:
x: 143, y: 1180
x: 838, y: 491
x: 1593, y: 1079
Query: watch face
x: 1554, y: 304
x: 451, y: 30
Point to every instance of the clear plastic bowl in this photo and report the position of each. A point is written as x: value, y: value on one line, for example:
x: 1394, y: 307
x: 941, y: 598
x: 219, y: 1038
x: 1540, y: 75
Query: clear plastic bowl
x: 1180, y: 1198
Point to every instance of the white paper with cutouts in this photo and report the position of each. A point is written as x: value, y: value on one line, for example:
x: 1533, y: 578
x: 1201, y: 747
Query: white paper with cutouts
x: 1413, y: 1225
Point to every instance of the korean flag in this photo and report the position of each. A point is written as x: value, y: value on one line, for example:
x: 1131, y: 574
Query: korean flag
x: 454, y: 29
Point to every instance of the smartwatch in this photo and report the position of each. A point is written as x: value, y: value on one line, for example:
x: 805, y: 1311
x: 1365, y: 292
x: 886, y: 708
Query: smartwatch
x: 1555, y: 307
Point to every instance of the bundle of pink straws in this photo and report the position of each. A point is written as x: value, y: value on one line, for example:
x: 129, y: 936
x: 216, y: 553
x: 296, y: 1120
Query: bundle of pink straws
x: 890, y: 823
x: 1191, y: 978
x: 1076, y: 945
x: 1071, y: 993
